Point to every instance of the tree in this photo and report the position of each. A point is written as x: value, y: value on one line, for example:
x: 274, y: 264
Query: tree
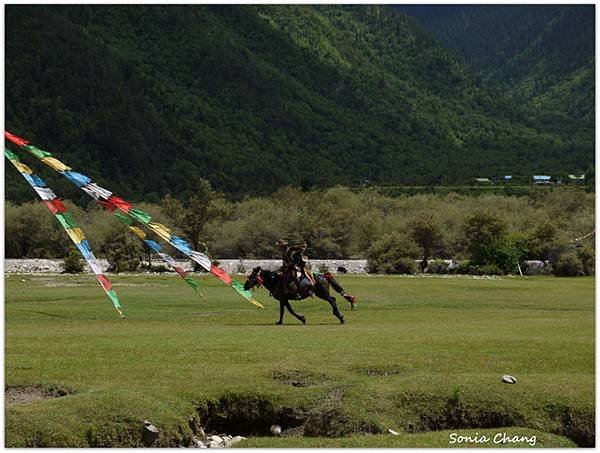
x: 482, y: 231
x: 490, y: 243
x: 122, y: 250
x: 394, y: 253
x: 193, y: 215
x: 72, y: 262
x: 426, y: 233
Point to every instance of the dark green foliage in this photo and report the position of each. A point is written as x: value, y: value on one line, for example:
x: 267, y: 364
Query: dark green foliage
x: 340, y: 222
x: 541, y: 55
x: 123, y: 251
x: 159, y: 268
x: 486, y: 269
x: 204, y: 206
x: 574, y: 262
x: 427, y: 235
x: 568, y: 265
x: 588, y: 259
x: 146, y: 98
x: 393, y: 254
x: 32, y: 232
x: 72, y: 262
x: 490, y: 245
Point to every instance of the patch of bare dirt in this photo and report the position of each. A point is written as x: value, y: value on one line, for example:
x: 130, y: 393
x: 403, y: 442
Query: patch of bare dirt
x: 26, y: 395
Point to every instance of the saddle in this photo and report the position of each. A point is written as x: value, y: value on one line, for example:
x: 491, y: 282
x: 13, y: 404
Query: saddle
x: 296, y: 283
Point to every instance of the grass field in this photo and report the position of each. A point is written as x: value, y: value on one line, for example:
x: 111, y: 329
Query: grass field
x: 422, y: 356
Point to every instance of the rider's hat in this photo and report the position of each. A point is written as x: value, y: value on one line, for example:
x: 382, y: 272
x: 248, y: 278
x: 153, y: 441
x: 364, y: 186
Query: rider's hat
x: 281, y: 243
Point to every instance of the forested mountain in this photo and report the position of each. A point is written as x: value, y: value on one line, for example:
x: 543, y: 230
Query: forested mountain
x: 145, y: 98
x: 540, y: 54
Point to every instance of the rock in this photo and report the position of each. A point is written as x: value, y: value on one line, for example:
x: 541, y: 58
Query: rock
x: 214, y: 444
x: 216, y: 439
x: 392, y: 432
x: 508, y: 379
x: 199, y: 444
x: 236, y: 439
x: 276, y: 430
x: 149, y: 433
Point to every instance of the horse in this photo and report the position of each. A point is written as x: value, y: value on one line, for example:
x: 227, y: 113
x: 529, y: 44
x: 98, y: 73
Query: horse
x: 275, y: 283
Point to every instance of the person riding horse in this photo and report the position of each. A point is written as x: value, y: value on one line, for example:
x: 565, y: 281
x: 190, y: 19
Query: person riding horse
x: 296, y: 270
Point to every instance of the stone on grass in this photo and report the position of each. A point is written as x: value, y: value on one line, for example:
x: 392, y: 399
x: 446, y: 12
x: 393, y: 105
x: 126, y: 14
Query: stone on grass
x: 508, y: 379
x: 149, y: 433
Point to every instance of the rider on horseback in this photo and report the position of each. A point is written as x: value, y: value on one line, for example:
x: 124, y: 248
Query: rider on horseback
x: 296, y: 269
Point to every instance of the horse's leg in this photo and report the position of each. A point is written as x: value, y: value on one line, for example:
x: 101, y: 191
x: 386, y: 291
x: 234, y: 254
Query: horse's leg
x: 333, y: 282
x: 322, y: 291
x: 281, y: 308
x: 300, y: 318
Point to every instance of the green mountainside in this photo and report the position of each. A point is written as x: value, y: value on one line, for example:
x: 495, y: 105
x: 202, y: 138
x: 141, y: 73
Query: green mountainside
x: 542, y: 54
x: 145, y: 98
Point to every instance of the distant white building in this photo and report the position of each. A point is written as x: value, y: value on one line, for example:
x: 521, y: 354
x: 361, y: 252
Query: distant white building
x: 542, y: 179
x: 577, y: 179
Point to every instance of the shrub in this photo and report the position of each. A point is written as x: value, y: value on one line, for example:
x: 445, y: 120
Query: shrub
x: 427, y: 235
x: 438, y: 267
x: 486, y: 269
x: 490, y: 244
x: 159, y: 268
x: 392, y: 254
x: 588, y: 260
x: 72, y: 262
x: 399, y: 266
x: 123, y: 251
x: 568, y: 265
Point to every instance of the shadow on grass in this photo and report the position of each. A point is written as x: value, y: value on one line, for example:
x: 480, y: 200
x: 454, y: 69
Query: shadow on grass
x: 50, y: 315
x: 286, y: 325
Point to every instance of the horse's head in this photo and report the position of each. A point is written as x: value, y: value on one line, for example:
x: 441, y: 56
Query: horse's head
x: 254, y: 279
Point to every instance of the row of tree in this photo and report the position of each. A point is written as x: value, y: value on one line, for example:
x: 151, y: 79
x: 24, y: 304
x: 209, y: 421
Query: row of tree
x: 495, y: 233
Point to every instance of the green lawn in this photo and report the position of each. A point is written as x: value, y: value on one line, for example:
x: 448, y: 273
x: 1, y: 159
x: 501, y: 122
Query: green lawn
x: 419, y: 354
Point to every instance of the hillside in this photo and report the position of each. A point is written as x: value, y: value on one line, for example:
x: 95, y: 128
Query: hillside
x: 540, y: 54
x: 145, y: 98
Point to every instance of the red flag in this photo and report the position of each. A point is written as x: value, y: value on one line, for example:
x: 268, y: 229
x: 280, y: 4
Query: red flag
x: 105, y: 282
x: 119, y: 203
x: 15, y: 139
x: 107, y: 205
x: 55, y: 206
x: 220, y: 274
x: 180, y: 271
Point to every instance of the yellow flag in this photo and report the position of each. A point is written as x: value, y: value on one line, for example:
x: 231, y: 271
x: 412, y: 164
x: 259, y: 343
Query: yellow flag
x: 161, y: 230
x: 55, y: 163
x: 75, y: 234
x: 138, y: 231
x: 22, y: 167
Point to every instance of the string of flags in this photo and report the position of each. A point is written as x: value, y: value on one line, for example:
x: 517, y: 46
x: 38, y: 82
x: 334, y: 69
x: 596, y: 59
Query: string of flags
x: 127, y: 214
x: 66, y: 220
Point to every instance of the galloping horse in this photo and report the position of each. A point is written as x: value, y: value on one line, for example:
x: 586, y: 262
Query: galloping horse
x: 276, y: 286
